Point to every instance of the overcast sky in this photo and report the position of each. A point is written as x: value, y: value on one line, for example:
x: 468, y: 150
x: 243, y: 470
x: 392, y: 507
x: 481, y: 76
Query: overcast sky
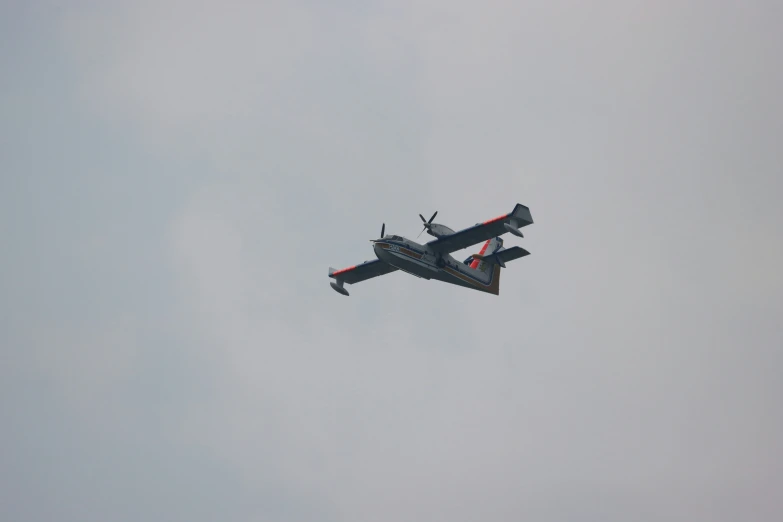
x: 176, y: 177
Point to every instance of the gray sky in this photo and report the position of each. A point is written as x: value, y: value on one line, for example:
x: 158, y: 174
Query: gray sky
x: 176, y: 177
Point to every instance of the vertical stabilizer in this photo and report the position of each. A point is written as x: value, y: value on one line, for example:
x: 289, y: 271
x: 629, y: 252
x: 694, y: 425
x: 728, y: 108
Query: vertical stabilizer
x: 490, y: 247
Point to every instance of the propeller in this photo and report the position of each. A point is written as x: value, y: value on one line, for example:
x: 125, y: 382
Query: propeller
x: 427, y: 224
x: 383, y: 231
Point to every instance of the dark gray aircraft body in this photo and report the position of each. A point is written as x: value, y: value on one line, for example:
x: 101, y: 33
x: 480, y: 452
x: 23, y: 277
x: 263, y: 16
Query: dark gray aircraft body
x: 433, y: 260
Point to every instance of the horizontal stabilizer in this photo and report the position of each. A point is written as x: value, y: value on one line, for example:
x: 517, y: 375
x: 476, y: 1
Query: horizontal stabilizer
x: 504, y: 256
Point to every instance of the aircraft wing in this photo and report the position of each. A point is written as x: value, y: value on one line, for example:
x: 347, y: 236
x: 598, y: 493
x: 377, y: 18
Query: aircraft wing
x: 362, y: 272
x: 517, y: 218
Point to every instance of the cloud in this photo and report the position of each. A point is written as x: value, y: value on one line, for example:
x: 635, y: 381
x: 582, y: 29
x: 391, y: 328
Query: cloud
x: 181, y: 64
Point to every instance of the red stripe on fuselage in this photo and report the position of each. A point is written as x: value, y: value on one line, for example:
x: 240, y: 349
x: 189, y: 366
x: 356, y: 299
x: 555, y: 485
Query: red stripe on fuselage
x: 476, y: 262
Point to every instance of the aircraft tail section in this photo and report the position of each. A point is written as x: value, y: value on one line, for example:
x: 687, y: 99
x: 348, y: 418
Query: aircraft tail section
x: 490, y: 247
x: 486, y: 265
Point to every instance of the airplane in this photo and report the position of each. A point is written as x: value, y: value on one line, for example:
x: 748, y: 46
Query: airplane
x: 433, y: 260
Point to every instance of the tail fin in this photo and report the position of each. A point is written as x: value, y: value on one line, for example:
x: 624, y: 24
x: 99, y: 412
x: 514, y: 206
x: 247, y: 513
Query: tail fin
x: 489, y: 262
x: 490, y: 247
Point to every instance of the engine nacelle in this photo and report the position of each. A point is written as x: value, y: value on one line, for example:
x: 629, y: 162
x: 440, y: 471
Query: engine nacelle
x: 437, y: 230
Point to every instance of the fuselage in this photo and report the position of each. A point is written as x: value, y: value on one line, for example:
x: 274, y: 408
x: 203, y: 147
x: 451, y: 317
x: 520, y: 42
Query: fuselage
x: 421, y: 261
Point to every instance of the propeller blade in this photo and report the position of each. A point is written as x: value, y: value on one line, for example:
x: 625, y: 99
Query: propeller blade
x: 383, y: 229
x: 422, y: 231
x: 433, y: 217
x: 422, y: 218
